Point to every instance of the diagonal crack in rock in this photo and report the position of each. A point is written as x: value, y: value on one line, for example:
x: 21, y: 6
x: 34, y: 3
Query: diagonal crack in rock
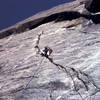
x: 65, y: 69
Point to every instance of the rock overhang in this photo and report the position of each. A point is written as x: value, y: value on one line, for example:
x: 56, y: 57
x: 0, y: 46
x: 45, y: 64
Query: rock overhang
x: 74, y: 50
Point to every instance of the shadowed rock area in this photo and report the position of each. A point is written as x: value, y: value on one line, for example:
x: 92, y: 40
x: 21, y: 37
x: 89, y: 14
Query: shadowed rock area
x: 93, y: 5
x: 72, y: 72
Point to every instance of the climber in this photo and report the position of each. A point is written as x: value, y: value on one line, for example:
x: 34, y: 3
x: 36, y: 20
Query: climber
x: 46, y: 51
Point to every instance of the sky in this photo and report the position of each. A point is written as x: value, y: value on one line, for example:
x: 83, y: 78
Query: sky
x: 13, y: 11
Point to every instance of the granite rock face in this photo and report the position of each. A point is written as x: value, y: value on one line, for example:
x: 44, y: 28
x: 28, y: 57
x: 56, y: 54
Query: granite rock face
x: 73, y: 73
x: 93, y: 5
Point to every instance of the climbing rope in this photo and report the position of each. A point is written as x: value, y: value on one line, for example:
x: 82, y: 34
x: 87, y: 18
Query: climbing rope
x: 31, y: 77
x: 64, y: 69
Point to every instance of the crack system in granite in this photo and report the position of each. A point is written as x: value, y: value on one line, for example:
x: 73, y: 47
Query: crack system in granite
x: 76, y: 73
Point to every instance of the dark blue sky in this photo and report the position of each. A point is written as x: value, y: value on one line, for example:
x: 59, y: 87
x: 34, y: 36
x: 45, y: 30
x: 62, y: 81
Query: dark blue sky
x: 13, y: 11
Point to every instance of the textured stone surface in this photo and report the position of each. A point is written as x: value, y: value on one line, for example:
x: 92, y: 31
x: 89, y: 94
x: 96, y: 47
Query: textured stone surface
x: 76, y: 48
x: 37, y: 19
x: 93, y: 5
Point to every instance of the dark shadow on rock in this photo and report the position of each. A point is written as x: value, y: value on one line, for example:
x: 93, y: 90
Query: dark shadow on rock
x: 53, y: 85
x: 37, y: 22
x: 93, y: 5
x: 7, y: 33
x: 62, y: 16
x: 66, y: 16
x: 56, y: 85
x: 58, y: 17
x: 95, y: 18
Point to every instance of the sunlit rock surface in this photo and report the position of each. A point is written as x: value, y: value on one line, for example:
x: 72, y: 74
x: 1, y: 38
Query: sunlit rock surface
x: 75, y: 44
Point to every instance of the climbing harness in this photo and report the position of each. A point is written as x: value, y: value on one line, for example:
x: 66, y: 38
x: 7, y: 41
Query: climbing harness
x: 32, y: 77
